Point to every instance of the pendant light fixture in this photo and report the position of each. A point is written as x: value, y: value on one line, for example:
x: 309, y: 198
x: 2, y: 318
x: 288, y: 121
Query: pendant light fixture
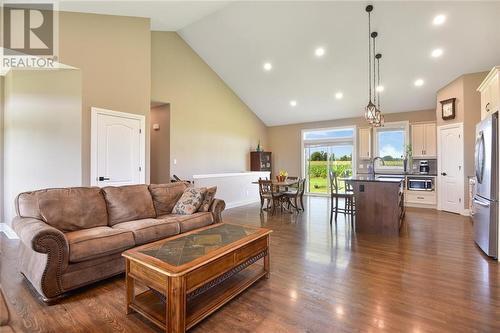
x: 373, y: 114
x: 370, y: 109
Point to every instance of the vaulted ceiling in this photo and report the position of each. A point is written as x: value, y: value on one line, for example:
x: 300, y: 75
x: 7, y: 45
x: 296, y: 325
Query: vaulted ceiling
x: 236, y: 39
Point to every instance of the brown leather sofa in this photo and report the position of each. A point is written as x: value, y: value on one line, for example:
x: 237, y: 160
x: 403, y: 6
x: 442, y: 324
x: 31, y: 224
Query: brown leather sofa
x: 72, y: 237
x: 4, y: 316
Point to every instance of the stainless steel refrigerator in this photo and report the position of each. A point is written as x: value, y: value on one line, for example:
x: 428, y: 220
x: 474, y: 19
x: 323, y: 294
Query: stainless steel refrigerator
x: 485, y: 205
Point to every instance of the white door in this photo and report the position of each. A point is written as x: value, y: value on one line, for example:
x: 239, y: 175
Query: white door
x: 118, y: 148
x: 450, y: 168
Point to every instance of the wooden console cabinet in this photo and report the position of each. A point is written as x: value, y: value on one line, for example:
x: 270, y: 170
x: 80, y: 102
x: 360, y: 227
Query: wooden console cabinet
x: 261, y: 161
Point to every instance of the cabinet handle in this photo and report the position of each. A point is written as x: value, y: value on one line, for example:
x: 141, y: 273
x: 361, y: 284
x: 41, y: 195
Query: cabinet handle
x: 420, y: 198
x: 486, y: 107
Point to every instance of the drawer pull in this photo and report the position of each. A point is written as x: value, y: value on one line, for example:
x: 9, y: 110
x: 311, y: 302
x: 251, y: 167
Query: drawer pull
x: 421, y: 198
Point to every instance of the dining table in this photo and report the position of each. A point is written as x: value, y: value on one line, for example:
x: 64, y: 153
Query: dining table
x: 279, y: 185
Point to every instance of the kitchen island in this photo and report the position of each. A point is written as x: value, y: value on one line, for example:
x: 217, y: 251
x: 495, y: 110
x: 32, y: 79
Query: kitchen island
x: 379, y: 203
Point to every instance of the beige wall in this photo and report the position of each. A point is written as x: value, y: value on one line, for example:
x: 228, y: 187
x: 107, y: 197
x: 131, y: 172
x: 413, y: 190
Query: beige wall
x: 42, y: 132
x: 1, y: 147
x: 160, y: 144
x: 113, y: 53
x: 285, y: 141
x: 468, y: 112
x: 212, y: 130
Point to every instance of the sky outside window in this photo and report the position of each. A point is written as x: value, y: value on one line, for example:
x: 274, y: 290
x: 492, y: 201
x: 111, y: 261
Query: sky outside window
x: 329, y: 134
x: 391, y: 143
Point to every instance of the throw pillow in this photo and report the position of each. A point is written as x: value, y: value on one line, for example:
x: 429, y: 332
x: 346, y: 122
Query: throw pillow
x: 190, y: 201
x: 209, y: 198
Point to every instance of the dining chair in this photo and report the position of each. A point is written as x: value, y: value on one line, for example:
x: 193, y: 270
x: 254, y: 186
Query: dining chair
x: 335, y: 194
x: 293, y: 186
x: 269, y: 193
x: 294, y: 197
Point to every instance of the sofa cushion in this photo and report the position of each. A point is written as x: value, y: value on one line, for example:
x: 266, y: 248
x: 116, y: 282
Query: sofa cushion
x: 27, y: 205
x: 97, y: 242
x: 70, y: 209
x: 208, y: 199
x: 190, y: 222
x: 165, y: 196
x: 148, y: 230
x: 190, y: 201
x: 127, y: 203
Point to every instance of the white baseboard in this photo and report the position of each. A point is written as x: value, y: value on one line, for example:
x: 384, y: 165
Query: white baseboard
x: 465, y: 212
x: 8, y: 231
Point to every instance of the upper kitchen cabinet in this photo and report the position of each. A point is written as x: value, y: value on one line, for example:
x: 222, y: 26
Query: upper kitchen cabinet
x: 490, y: 93
x: 423, y: 140
x: 365, y: 143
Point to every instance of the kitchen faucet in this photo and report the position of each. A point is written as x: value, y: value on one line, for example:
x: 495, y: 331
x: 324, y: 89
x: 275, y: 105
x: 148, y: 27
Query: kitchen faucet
x: 372, y: 165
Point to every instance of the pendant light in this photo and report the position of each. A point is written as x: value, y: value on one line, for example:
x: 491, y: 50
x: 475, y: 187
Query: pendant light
x: 370, y: 109
x: 373, y: 114
x: 376, y: 119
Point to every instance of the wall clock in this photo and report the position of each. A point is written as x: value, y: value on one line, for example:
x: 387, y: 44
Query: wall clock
x: 448, y: 109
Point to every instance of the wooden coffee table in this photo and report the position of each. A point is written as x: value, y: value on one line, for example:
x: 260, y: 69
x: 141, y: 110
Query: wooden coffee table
x: 189, y: 276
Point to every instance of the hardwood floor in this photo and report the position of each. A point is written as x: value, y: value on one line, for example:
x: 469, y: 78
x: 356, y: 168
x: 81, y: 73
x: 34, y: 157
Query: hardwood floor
x: 430, y: 279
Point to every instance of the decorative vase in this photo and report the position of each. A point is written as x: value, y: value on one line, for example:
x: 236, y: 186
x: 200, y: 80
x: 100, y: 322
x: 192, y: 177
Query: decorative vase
x: 281, y: 178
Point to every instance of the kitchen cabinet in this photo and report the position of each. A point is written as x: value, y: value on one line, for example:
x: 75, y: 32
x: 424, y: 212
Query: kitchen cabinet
x: 420, y: 198
x: 423, y: 140
x: 490, y: 93
x: 365, y: 143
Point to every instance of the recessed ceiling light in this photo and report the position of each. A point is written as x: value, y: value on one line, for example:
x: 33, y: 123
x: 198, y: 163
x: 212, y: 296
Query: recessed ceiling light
x: 267, y: 66
x: 439, y: 19
x: 437, y: 53
x: 319, y: 52
x: 419, y: 82
x: 339, y: 95
x: 293, y: 103
x: 380, y: 88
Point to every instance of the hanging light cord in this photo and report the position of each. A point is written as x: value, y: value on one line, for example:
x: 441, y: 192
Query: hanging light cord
x: 369, y: 57
x: 378, y: 83
x: 374, y: 86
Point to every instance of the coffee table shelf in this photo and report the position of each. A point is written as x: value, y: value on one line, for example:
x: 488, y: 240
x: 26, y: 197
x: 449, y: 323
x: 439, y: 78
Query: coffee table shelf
x: 153, y: 308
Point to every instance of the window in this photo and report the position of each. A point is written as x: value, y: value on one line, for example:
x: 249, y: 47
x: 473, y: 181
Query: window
x: 327, y: 150
x: 341, y: 133
x: 391, y: 141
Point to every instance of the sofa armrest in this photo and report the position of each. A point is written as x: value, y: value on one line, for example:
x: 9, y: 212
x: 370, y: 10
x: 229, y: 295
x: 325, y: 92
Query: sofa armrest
x: 44, y: 255
x: 216, y: 209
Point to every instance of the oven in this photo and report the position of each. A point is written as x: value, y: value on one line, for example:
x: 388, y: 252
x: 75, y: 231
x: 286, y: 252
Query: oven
x: 420, y: 184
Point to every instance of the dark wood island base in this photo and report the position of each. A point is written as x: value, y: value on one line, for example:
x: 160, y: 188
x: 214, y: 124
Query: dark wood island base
x: 379, y: 204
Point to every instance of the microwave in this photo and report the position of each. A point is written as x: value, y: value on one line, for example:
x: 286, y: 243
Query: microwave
x: 420, y: 184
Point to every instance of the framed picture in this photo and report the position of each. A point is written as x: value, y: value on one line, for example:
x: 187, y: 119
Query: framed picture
x: 448, y: 109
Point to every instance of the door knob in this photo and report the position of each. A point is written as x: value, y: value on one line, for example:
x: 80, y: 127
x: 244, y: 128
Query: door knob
x: 443, y: 174
x: 101, y: 179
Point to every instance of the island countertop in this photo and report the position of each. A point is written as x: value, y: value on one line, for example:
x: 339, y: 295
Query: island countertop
x: 376, y: 178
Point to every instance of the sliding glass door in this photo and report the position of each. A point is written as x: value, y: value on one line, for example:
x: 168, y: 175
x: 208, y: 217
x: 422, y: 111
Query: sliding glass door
x: 325, y: 151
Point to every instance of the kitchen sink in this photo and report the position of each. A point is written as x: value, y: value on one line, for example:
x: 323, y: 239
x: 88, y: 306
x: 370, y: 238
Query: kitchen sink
x: 389, y: 176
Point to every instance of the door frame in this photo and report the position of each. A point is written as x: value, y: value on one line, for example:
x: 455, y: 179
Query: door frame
x: 354, y: 152
x: 93, y: 140
x: 460, y: 126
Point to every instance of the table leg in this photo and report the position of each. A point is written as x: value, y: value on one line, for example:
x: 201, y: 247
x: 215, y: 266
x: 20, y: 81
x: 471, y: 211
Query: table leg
x: 267, y: 261
x: 129, y: 283
x: 176, y: 305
